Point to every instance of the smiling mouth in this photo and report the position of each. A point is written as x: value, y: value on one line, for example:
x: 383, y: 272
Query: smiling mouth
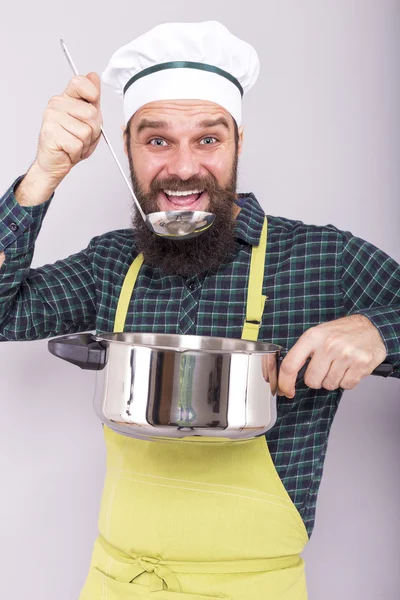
x: 182, y: 199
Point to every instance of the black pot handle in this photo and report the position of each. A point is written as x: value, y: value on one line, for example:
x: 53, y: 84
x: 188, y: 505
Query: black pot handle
x: 80, y: 349
x: 382, y: 370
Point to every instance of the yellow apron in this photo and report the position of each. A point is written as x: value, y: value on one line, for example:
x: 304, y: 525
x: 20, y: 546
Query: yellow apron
x: 197, y: 520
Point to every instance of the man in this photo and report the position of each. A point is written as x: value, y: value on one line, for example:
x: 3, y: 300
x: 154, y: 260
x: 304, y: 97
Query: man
x: 200, y: 520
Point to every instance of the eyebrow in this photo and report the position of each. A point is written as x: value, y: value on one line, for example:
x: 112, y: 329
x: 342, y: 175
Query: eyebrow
x: 213, y: 123
x: 147, y: 124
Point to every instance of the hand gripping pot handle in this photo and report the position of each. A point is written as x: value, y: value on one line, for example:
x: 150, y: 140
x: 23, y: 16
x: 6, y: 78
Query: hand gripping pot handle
x: 383, y: 370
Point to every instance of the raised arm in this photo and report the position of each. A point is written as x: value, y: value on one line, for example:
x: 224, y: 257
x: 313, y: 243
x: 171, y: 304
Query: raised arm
x: 56, y: 298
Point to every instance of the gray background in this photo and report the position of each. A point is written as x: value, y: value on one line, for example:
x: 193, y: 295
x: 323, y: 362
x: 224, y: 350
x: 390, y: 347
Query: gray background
x: 321, y: 145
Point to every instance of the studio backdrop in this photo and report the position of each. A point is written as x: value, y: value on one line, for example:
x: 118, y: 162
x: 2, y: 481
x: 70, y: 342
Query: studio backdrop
x: 321, y: 145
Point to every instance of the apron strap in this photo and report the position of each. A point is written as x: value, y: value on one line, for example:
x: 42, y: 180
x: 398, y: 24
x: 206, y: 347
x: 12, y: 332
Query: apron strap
x: 255, y: 298
x: 126, y: 293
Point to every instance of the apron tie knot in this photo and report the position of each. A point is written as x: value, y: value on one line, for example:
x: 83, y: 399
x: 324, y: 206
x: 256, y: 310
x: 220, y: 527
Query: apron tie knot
x: 161, y: 578
x: 147, y: 564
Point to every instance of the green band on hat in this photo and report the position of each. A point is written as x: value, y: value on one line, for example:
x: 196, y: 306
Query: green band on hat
x: 178, y: 64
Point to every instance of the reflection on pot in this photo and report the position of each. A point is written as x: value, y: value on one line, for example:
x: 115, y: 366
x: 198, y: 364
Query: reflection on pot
x: 186, y: 413
x: 270, y: 371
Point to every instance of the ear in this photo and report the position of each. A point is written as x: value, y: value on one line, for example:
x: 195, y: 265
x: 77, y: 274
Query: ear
x: 241, y: 135
x: 123, y: 129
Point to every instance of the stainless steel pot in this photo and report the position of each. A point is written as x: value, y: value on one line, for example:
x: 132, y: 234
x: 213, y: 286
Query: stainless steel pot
x: 161, y: 386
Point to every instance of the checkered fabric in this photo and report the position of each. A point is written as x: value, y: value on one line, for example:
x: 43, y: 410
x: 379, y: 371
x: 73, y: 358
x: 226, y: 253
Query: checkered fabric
x: 312, y: 274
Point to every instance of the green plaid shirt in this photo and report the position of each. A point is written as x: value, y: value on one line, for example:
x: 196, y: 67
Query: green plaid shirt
x: 312, y: 274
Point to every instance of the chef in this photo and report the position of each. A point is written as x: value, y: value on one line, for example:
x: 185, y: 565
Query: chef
x: 200, y: 520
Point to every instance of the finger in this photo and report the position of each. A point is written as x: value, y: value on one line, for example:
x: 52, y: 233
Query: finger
x: 317, y: 369
x: 287, y: 378
x: 335, y: 375
x: 351, y: 378
x: 264, y: 368
x: 92, y: 148
x: 80, y: 87
x: 70, y: 144
x: 75, y: 108
x: 269, y: 369
x: 294, y: 360
x: 82, y: 131
x: 95, y: 79
x: 359, y: 367
x: 88, y: 113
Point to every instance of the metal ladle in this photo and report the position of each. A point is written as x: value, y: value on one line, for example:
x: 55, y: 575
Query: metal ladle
x: 177, y: 224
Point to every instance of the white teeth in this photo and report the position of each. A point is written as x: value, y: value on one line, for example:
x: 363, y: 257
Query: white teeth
x: 169, y: 193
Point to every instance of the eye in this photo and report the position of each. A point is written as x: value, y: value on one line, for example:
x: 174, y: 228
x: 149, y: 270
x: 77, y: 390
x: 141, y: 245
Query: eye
x: 208, y: 141
x: 158, y: 142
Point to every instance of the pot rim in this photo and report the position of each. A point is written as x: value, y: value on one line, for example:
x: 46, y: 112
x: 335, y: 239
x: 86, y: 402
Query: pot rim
x: 227, y: 344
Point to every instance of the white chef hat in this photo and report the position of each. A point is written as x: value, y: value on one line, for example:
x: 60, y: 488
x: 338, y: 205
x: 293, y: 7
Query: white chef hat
x: 184, y: 61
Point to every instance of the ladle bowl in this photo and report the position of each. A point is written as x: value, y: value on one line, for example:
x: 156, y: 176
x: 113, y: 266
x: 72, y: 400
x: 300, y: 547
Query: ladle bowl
x: 178, y: 224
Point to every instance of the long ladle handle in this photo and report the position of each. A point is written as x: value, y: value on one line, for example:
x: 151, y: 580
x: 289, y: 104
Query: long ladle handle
x: 74, y: 69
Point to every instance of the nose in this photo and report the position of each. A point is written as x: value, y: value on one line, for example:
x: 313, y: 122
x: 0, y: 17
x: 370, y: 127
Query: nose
x: 183, y: 164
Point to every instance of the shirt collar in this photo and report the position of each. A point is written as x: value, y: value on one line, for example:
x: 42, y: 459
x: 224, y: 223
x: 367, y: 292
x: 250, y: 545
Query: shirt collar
x: 250, y: 220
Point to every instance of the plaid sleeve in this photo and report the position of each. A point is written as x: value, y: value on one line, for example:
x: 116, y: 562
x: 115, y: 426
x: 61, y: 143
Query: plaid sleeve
x: 19, y: 225
x: 51, y: 300
x: 371, y: 287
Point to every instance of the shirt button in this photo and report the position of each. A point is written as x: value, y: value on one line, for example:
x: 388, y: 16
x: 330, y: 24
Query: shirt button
x: 14, y: 227
x: 192, y: 286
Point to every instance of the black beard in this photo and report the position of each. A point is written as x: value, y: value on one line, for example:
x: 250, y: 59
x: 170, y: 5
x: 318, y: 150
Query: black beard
x: 206, y: 252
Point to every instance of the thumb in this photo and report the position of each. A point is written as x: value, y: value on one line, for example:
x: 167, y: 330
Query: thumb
x: 95, y: 78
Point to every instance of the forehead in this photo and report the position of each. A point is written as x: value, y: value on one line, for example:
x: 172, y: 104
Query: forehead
x: 181, y: 113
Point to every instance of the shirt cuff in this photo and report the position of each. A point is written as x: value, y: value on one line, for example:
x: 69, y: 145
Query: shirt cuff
x: 387, y: 320
x: 19, y: 225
